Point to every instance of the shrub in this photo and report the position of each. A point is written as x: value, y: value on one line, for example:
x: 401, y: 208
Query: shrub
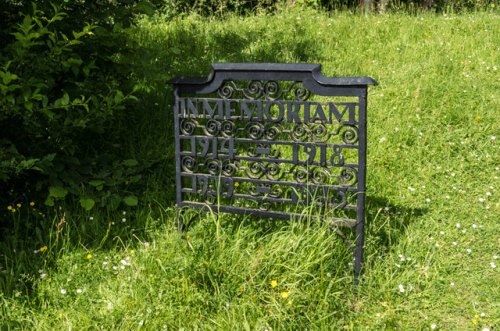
x: 63, y: 82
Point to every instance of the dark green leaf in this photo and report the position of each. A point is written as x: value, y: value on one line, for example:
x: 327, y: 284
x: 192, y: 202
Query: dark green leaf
x: 87, y: 203
x: 130, y: 200
x: 130, y: 163
x: 57, y: 192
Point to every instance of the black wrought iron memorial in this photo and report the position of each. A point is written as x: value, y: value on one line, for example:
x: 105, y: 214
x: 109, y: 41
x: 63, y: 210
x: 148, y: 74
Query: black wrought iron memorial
x: 273, y: 140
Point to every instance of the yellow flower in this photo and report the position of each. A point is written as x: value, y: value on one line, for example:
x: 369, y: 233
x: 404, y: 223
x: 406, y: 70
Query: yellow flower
x: 9, y: 207
x: 89, y: 256
x: 477, y: 118
x: 18, y: 205
x: 32, y: 204
x: 132, y: 251
x: 43, y: 249
x: 13, y: 210
x: 274, y: 283
x: 285, y: 294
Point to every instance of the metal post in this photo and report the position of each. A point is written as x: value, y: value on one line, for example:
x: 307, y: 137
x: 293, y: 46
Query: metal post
x: 358, y: 251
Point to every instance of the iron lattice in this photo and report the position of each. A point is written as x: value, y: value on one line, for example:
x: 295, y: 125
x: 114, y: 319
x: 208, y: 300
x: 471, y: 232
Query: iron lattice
x: 273, y: 140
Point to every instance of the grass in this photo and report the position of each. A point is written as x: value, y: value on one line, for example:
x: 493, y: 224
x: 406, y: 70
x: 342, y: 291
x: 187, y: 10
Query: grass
x: 432, y: 225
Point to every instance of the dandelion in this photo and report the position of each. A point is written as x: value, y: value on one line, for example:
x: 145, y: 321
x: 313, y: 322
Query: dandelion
x: 43, y: 249
x: 18, y: 205
x: 285, y: 294
x: 32, y: 204
x: 63, y: 291
x: 9, y: 207
x: 274, y: 283
x: 132, y: 251
x: 401, y: 288
x: 89, y: 256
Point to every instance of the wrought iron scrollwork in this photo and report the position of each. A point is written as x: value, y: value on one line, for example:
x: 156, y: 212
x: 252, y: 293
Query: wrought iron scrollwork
x: 256, y: 131
x: 262, y: 138
x: 188, y: 126
x: 267, y: 90
x: 212, y: 127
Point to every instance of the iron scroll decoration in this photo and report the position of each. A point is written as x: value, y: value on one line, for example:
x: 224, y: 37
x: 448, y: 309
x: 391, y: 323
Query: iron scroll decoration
x: 273, y: 140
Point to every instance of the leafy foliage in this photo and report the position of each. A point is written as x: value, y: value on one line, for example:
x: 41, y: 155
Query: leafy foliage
x: 64, y: 82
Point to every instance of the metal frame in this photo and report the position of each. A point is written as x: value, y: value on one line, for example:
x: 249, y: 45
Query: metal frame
x: 262, y: 139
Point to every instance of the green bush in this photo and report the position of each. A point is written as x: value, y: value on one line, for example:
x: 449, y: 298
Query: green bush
x: 63, y: 84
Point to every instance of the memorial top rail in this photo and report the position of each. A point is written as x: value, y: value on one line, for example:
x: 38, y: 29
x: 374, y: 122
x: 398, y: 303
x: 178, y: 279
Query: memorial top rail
x: 310, y: 74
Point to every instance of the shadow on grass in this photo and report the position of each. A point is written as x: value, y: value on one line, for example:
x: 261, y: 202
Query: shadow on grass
x: 386, y: 223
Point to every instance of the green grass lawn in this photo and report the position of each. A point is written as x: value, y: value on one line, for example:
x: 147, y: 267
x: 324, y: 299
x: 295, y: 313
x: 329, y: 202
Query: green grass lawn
x: 432, y: 242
